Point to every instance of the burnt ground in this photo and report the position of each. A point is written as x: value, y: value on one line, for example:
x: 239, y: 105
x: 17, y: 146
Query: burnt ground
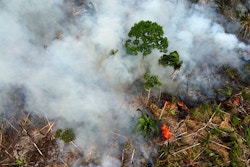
x: 206, y: 135
x: 214, y: 132
x: 211, y: 132
x: 27, y: 139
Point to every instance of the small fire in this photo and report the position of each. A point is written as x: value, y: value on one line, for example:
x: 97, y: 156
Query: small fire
x: 166, y: 103
x: 236, y: 100
x: 182, y: 105
x: 165, y: 132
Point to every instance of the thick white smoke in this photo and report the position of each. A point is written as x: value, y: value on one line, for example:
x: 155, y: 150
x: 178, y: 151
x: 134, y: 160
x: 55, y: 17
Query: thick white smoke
x: 76, y: 78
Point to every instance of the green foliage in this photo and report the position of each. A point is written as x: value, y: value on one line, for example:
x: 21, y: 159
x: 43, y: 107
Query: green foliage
x: 214, y: 157
x: 20, y: 161
x: 228, y: 91
x: 224, y: 7
x: 246, y: 120
x: 231, y: 72
x: 234, y: 155
x: 235, y: 151
x: 247, y: 136
x: 215, y: 132
x: 237, y: 11
x: 244, y: 20
x: 113, y: 51
x: 165, y: 149
x: 245, y: 95
x: 144, y: 37
x: 225, y: 91
x: 233, y: 9
x: 205, y: 108
x: 171, y: 111
x: 146, y: 125
x: 202, y: 112
x: 58, y: 133
x: 235, y: 120
x: 205, y: 141
x: 218, y: 111
x: 67, y: 135
x: 151, y: 81
x: 173, y: 60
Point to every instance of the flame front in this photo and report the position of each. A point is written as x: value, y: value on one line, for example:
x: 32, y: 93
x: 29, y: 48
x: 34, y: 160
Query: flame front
x: 165, y: 132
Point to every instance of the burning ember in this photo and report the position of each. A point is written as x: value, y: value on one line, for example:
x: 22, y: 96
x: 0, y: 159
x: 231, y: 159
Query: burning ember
x: 165, y: 132
x: 236, y: 100
x: 182, y: 105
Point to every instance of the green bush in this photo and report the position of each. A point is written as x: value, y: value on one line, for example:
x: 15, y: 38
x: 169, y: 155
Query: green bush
x: 146, y: 125
x: 67, y: 135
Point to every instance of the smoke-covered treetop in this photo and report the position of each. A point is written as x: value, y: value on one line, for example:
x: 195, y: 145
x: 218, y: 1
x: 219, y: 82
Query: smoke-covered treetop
x: 146, y: 36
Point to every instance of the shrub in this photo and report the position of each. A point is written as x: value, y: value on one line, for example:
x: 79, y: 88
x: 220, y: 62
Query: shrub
x: 67, y: 135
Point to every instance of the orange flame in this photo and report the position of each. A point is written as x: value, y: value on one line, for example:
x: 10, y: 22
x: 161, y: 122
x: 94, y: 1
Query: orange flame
x: 166, y: 103
x: 236, y: 100
x: 165, y: 132
x: 182, y: 105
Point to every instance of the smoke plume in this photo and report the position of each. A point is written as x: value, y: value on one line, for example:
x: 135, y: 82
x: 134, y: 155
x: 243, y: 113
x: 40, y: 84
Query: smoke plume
x: 59, y: 51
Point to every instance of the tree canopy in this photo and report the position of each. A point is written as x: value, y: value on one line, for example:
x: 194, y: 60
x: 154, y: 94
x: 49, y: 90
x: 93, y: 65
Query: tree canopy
x: 173, y: 60
x: 151, y: 81
x: 144, y: 37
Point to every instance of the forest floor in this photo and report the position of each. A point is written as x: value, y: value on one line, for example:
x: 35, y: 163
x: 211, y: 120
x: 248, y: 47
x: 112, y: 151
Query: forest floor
x: 214, y: 132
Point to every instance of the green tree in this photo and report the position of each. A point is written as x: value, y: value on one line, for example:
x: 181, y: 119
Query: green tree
x: 144, y: 37
x: 150, y: 82
x: 173, y: 60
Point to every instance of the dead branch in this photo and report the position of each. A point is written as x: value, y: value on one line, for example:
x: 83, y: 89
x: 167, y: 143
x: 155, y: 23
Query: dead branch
x: 38, y: 149
x: 43, y: 128
x: 165, y: 104
x: 63, y: 162
x: 243, y: 110
x: 179, y: 136
x: 132, y: 157
x: 123, y: 152
x: 207, y: 124
x: 9, y: 154
x: 149, y: 91
x: 220, y: 144
x: 199, y: 154
x: 26, y: 117
x: 76, y: 146
x: 173, y: 74
x: 120, y: 135
x: 50, y: 127
x: 47, y: 119
x: 12, y: 126
x: 187, y: 148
